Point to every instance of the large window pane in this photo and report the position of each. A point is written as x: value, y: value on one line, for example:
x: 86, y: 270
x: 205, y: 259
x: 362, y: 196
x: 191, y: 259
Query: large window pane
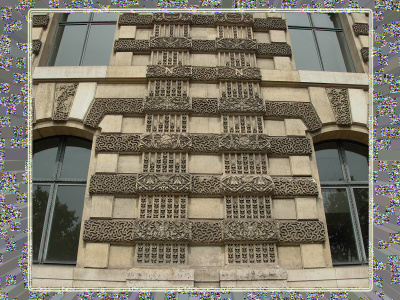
x: 105, y: 17
x: 76, y: 159
x: 357, y: 161
x: 362, y: 202
x: 75, y: 17
x: 328, y: 162
x: 297, y: 19
x: 71, y: 45
x: 325, y: 20
x: 304, y: 50
x: 340, y: 227
x: 44, y: 158
x: 40, y: 197
x: 65, y: 227
x: 99, y: 45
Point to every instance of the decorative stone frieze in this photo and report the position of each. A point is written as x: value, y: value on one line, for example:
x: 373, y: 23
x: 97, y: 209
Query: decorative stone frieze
x: 118, y: 143
x: 157, y: 141
x: 361, y: 29
x: 302, y: 110
x: 206, y: 185
x: 163, y: 206
x: 205, y: 106
x: 365, y: 54
x: 64, y: 96
x: 166, y: 104
x: 203, y: 20
x: 205, y: 143
x: 247, y: 184
x: 162, y: 71
x: 274, y: 49
x: 239, y: 73
x: 268, y: 24
x: 132, y: 45
x: 103, y: 106
x: 169, y: 18
x: 302, y: 232
x: 251, y: 253
x: 238, y: 105
x: 226, y: 44
x: 36, y: 46
x: 290, y: 146
x: 159, y: 253
x: 204, y: 232
x: 204, y: 74
x: 170, y: 43
x: 161, y: 183
x: 295, y: 186
x: 135, y: 19
x: 235, y: 19
x: 203, y: 46
x: 247, y: 207
x: 112, y: 184
x: 244, y: 142
x: 340, y: 103
x: 40, y: 21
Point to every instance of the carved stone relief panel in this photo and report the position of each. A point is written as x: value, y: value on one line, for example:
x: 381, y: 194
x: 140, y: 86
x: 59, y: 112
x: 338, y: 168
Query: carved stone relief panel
x: 161, y: 230
x: 40, y: 21
x: 206, y: 232
x: 166, y: 71
x: 251, y: 253
x: 135, y: 19
x: 206, y: 185
x: 170, y: 58
x: 247, y: 207
x: 109, y: 231
x: 172, y: 17
x: 295, y: 186
x: 239, y: 73
x: 163, y: 206
x: 238, y: 105
x: 290, y: 146
x: 132, y: 45
x: 301, y: 231
x: 244, y: 142
x: 340, y: 103
x: 173, y: 123
x: 157, y: 141
x: 64, y: 96
x: 226, y: 44
x: 365, y: 54
x: 242, y: 124
x: 118, y: 143
x: 237, y: 59
x: 205, y: 143
x: 166, y: 104
x: 361, y: 29
x: 274, y: 49
x: 203, y: 46
x: 36, y: 46
x: 244, y: 19
x: 204, y: 74
x: 161, y: 253
x: 112, y: 184
x: 247, y: 184
x: 170, y: 43
x: 163, y: 183
x: 245, y: 163
x: 165, y: 162
x: 205, y: 106
x: 261, y: 24
x: 257, y: 230
x: 203, y: 20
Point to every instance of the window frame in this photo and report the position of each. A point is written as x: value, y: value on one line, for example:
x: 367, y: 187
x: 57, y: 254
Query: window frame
x: 54, y: 182
x: 349, y: 186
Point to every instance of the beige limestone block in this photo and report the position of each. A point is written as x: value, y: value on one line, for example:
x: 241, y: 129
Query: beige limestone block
x: 204, y: 90
x: 206, y: 275
x: 359, y: 17
x: 205, y: 208
x: 279, y: 166
x: 205, y: 164
x: 107, y: 163
x: 96, y: 284
x: 205, y: 124
x: 300, y: 165
x: 121, y: 257
x: 142, y: 274
x: 37, y: 33
x: 322, y: 105
x: 96, y: 255
x: 44, y: 100
x: 313, y: 284
x: 242, y: 273
x: 277, y: 36
x: 354, y: 283
x: 126, y: 72
x: 282, y: 63
x: 284, y: 209
x: 111, y: 124
x: 102, y: 207
x: 262, y: 37
x: 280, y: 75
x: 83, y: 97
x: 125, y: 208
x: 306, y: 208
x: 274, y: 127
x: 81, y: 72
x: 102, y: 275
x: 358, y: 106
x: 326, y: 77
x: 121, y: 90
x: 203, y: 33
x: 289, y: 257
x: 133, y: 125
x: 295, y: 127
x: 276, y: 15
x: 140, y: 60
x: 127, y: 32
x: 260, y: 283
x: 123, y: 59
x: 311, y: 274
x: 206, y: 284
x: 131, y: 163
x: 52, y: 271
x: 285, y: 94
x: 51, y: 283
x: 143, y: 33
x: 265, y: 63
x: 364, y: 40
x: 166, y: 284
x: 312, y: 255
x: 352, y: 272
x: 204, y: 60
x: 206, y: 255
x: 259, y: 15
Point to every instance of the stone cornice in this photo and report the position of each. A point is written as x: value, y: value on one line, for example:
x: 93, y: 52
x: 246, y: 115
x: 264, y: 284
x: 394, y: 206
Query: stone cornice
x: 205, y: 232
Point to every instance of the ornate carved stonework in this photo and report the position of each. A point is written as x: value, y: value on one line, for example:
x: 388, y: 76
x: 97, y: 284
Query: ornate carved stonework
x: 131, y: 45
x: 295, y: 186
x: 157, y: 71
x: 206, y: 185
x: 118, y: 143
x: 157, y: 141
x: 112, y: 184
x: 290, y: 146
x: 274, y: 49
x: 161, y: 230
x: 268, y: 24
x: 339, y: 100
x: 163, y: 206
x: 205, y: 143
x: 36, y: 45
x: 172, y: 17
x: 205, y: 106
x: 206, y: 232
x: 135, y: 19
x: 247, y: 184
x: 244, y: 142
x: 166, y: 104
x: 303, y: 110
x: 365, y: 54
x: 239, y: 73
x: 109, y: 231
x: 247, y: 207
x: 239, y: 253
x: 225, y: 44
x: 236, y: 19
x: 203, y: 20
x: 301, y: 232
x: 237, y: 105
x: 203, y: 46
x: 64, y: 96
x: 161, y: 183
x: 40, y: 21
x: 159, y: 253
x: 204, y: 74
x: 170, y: 43
x: 255, y: 230
x: 102, y: 106
x: 361, y: 29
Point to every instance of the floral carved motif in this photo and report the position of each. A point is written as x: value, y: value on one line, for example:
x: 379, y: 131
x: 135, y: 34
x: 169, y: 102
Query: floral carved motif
x: 205, y: 106
x: 295, y: 187
x: 170, y: 43
x: 118, y: 143
x: 64, y: 96
x: 269, y: 24
x: 290, y: 146
x: 233, y: 105
x: 244, y: 142
x: 361, y: 29
x: 236, y: 44
x: 247, y: 184
x: 274, y: 49
x: 161, y: 230
x: 36, y: 45
x: 112, y: 184
x: 135, y: 19
x: 206, y: 185
x: 365, y: 54
x: 302, y: 232
x: 339, y: 100
x: 132, y: 45
x: 157, y: 141
x: 166, y: 104
x: 153, y: 182
x: 244, y: 19
x: 263, y: 230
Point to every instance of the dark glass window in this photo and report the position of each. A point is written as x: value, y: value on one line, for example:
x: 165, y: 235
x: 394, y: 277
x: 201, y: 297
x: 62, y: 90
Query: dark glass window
x: 83, y: 39
x: 318, y: 42
x: 343, y: 172
x: 60, y: 166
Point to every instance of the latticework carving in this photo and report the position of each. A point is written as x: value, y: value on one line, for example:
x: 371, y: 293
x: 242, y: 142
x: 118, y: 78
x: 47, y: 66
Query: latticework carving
x: 172, y: 17
x: 223, y: 44
x: 170, y: 43
x: 109, y: 231
x: 244, y: 142
x: 36, y: 46
x: 303, y: 110
x: 365, y: 54
x: 112, y: 184
x: 206, y: 232
x: 205, y: 106
x: 165, y: 162
x: 242, y: 124
x: 152, y: 253
x: 267, y: 24
x: 205, y: 143
x: 118, y: 143
x: 206, y: 185
x: 238, y: 105
x: 251, y: 253
x: 245, y: 163
x: 239, y: 73
x: 174, y: 123
x: 274, y: 49
x: 64, y: 96
x: 361, y: 29
x: 257, y: 230
x: 247, y: 207
x: 102, y: 106
x: 132, y: 45
x: 302, y: 232
x: 203, y: 20
x: 135, y: 19
x: 244, y: 19
x: 203, y: 46
x: 290, y: 146
x: 163, y: 206
x: 166, y: 104
x: 40, y: 21
x: 295, y: 187
x: 163, y: 183
x: 165, y: 71
x: 204, y: 74
x: 157, y: 141
x: 340, y: 103
x: 247, y: 184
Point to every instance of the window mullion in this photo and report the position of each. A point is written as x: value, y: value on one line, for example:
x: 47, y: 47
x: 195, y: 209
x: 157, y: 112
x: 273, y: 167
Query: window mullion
x: 85, y: 43
x: 318, y: 50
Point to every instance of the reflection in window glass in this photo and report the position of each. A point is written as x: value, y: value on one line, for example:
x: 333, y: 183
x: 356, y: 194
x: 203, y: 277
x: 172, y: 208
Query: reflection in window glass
x: 40, y: 196
x: 325, y: 20
x: 297, y: 19
x: 44, y: 153
x: 76, y: 159
x: 99, y: 45
x: 329, y: 167
x: 361, y: 196
x: 71, y: 45
x: 357, y: 161
x: 304, y: 51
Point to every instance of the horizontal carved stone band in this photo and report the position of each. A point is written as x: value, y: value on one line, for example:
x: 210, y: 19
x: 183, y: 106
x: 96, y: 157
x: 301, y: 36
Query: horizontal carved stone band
x: 207, y: 232
x: 361, y: 29
x: 203, y: 143
x: 40, y: 21
x: 204, y: 20
x: 201, y: 185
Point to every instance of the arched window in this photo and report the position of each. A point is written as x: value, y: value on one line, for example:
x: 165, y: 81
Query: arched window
x: 343, y: 172
x: 60, y: 169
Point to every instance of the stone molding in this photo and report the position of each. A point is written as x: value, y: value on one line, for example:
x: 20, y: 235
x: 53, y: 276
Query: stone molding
x: 274, y: 49
x: 132, y: 45
x: 203, y: 143
x: 40, y: 21
x: 261, y: 24
x: 121, y: 184
x: 361, y: 29
x: 302, y: 110
x: 365, y: 54
x: 340, y: 104
x: 64, y: 97
x: 36, y: 46
x: 236, y: 44
x: 205, y: 232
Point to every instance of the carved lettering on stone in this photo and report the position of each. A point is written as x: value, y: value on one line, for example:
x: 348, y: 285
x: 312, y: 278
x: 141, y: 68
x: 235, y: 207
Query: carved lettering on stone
x: 269, y: 24
x: 162, y: 183
x: 40, y: 21
x: 170, y: 43
x: 112, y: 184
x: 157, y: 71
x: 239, y: 73
x: 247, y: 184
x: 243, y: 142
x: 132, y: 45
x: 290, y: 146
x: 304, y: 232
x: 36, y: 45
x: 64, y: 96
x: 233, y: 105
x: 135, y: 19
x: 118, y: 143
x: 157, y: 141
x: 295, y: 187
x: 255, y: 230
x: 340, y: 104
x: 274, y: 49
x: 206, y: 185
x: 236, y: 44
x: 361, y: 29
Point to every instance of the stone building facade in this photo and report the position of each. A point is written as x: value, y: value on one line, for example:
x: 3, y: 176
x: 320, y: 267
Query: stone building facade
x: 203, y: 171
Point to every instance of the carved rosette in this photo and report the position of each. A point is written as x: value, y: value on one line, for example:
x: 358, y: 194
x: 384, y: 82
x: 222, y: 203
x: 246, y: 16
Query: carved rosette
x: 225, y: 44
x: 261, y: 24
x: 157, y: 71
x: 166, y: 104
x: 40, y: 21
x: 161, y: 183
x: 295, y: 187
x: 361, y: 29
x: 36, y: 46
x: 340, y: 104
x: 112, y: 184
x: 365, y: 54
x: 157, y: 141
x: 118, y: 143
x: 131, y: 45
x: 233, y: 105
x: 170, y: 43
x: 247, y: 184
x: 64, y: 96
x: 302, y: 232
x: 135, y: 19
x: 205, y: 106
x: 255, y: 230
x: 206, y: 185
x: 244, y: 142
x: 274, y: 49
x: 290, y: 146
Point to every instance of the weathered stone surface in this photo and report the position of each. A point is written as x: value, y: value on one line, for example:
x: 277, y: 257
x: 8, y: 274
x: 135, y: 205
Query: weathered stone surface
x: 40, y: 21
x: 112, y: 184
x: 206, y: 185
x: 295, y: 186
x: 166, y: 104
x: 244, y: 142
x: 361, y: 29
x: 132, y: 45
x: 135, y: 19
x: 157, y: 141
x: 365, y: 54
x: 156, y: 183
x: 64, y: 97
x: 118, y: 143
x: 339, y: 99
x: 290, y: 146
x: 304, y: 232
x: 247, y: 184
x: 226, y: 44
x: 261, y: 24
x: 274, y: 49
x: 36, y: 46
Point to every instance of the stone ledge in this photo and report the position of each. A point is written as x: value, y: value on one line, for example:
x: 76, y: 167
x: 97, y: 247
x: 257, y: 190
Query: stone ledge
x: 253, y: 274
x: 160, y: 274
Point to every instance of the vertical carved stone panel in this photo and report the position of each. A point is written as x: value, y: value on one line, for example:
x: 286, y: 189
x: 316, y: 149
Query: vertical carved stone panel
x: 64, y: 96
x: 247, y: 207
x: 251, y: 253
x: 173, y: 123
x: 163, y: 206
x: 164, y: 162
x: 245, y: 163
x: 242, y: 124
x: 161, y: 253
x: 340, y: 103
